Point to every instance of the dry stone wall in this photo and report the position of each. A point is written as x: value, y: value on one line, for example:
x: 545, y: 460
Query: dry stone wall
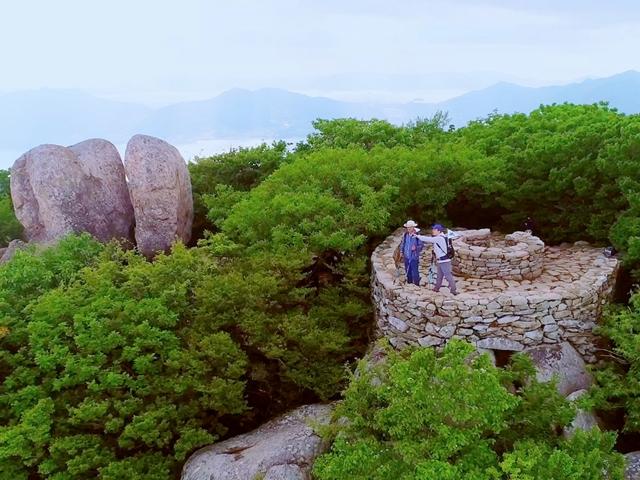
x: 517, y: 256
x: 563, y: 303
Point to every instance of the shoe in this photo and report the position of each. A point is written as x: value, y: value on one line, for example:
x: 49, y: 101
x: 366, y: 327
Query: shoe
x: 436, y: 290
x: 454, y: 293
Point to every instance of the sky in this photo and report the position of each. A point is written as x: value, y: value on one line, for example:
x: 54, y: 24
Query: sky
x: 159, y: 52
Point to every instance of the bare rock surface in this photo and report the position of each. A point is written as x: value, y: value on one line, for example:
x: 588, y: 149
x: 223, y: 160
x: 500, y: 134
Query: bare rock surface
x: 563, y: 361
x: 57, y: 190
x: 113, y: 217
x: 282, y: 449
x: 286, y: 472
x: 632, y: 472
x: 160, y: 190
x: 10, y: 251
x: 584, y: 420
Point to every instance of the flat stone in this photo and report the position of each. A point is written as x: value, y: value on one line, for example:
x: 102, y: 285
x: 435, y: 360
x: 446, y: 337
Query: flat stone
x: 447, y: 331
x: 500, y: 343
x: 430, y: 341
x: 398, y: 324
x: 548, y: 320
x: 508, y: 319
x: 534, y: 335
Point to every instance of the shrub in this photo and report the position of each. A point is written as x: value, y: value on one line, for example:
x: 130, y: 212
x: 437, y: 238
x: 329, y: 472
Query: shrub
x: 10, y: 228
x: 423, y: 415
x: 620, y: 387
x: 234, y: 172
x: 110, y: 378
x: 112, y: 364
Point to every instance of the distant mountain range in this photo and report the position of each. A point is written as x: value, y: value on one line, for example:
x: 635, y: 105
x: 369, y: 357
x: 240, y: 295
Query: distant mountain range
x: 67, y: 116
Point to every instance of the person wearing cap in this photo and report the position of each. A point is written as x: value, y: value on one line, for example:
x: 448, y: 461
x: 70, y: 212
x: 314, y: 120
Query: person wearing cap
x: 411, y: 246
x: 443, y: 262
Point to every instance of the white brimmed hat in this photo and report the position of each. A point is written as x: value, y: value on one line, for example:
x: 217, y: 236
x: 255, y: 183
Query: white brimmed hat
x: 410, y: 223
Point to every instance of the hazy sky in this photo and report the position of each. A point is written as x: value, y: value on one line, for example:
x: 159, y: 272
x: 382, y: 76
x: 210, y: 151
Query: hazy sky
x: 161, y: 51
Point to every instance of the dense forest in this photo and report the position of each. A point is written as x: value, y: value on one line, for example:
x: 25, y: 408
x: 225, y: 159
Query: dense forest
x: 118, y: 367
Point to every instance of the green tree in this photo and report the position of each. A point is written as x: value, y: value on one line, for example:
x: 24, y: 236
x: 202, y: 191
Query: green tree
x: 620, y: 387
x: 234, y: 172
x: 567, y: 166
x: 350, y: 132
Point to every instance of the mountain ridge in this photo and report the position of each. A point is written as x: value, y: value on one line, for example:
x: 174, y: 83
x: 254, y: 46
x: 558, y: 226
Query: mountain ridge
x: 66, y: 116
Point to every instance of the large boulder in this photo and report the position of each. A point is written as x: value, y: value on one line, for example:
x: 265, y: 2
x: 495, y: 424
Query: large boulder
x: 632, y: 471
x: 102, y: 163
x: 564, y: 362
x: 57, y: 190
x: 584, y: 420
x: 284, y: 448
x: 10, y: 251
x: 160, y: 190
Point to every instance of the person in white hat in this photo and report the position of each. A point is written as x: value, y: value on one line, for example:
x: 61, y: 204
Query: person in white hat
x: 411, y: 246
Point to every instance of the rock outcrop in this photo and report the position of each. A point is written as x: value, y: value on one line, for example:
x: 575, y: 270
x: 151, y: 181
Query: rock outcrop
x: 282, y: 449
x: 57, y: 190
x: 160, y: 190
x: 632, y: 471
x: 10, y: 251
x: 584, y: 420
x: 102, y: 163
x: 563, y: 362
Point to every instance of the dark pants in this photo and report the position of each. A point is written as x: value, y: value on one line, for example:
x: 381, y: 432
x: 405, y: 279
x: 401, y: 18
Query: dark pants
x: 411, y: 267
x: 444, y: 270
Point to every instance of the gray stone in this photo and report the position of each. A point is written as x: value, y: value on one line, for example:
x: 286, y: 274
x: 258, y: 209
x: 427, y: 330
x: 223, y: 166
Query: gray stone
x: 632, y: 470
x: 535, y: 335
x: 398, y: 324
x: 500, y: 343
x: 508, y: 319
x: 58, y: 190
x: 563, y: 361
x: 286, y: 441
x: 286, y: 472
x: 429, y: 341
x: 12, y: 248
x: 583, y: 420
x: 447, y: 331
x: 113, y: 217
x: 486, y: 351
x: 160, y: 189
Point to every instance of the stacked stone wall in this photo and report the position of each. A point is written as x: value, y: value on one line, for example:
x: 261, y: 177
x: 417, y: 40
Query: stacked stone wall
x: 564, y: 303
x: 514, y: 257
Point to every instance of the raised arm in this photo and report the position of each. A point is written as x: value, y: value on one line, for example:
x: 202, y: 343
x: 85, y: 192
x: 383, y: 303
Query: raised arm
x: 426, y: 239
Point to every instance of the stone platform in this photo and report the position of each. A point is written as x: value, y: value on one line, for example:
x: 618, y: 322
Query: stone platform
x: 563, y: 303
